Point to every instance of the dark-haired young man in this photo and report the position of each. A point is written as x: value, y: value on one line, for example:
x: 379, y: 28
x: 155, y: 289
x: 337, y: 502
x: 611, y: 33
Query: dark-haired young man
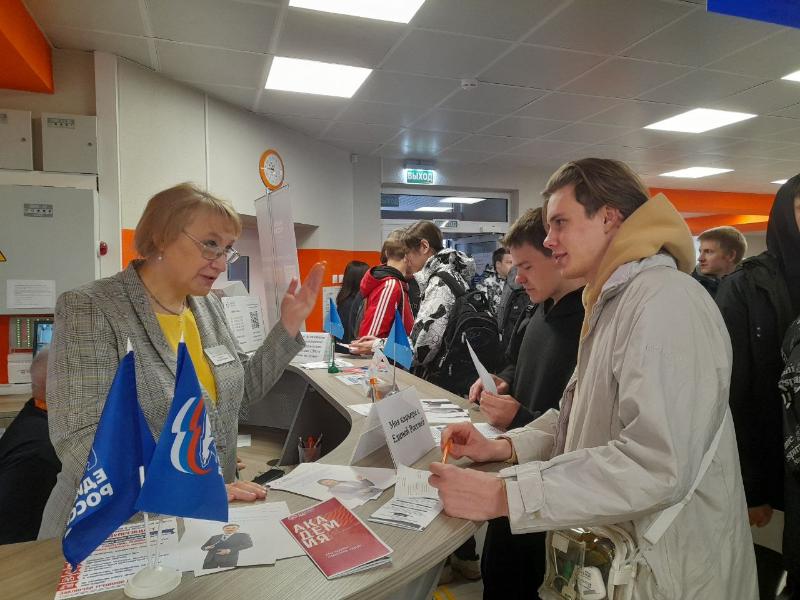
x: 644, y: 423
x: 512, y: 564
x: 494, y: 277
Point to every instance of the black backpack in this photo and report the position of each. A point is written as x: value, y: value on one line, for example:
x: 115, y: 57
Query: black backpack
x: 470, y: 319
x: 518, y: 301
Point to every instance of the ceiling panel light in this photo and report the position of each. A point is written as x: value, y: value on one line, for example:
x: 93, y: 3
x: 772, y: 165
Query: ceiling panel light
x: 792, y: 76
x: 312, y: 77
x: 433, y: 209
x: 700, y: 120
x: 695, y: 172
x: 780, y: 181
x: 398, y: 11
x: 460, y: 200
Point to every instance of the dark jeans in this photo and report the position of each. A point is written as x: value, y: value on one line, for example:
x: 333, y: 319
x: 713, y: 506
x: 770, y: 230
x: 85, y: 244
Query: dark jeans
x: 512, y: 566
x: 466, y: 551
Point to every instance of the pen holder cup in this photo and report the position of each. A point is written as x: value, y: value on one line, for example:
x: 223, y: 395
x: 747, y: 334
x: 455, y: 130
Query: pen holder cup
x: 308, y: 454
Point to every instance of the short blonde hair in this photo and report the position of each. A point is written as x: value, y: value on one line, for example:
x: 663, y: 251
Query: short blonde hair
x: 170, y: 211
x: 729, y: 239
x: 393, y: 247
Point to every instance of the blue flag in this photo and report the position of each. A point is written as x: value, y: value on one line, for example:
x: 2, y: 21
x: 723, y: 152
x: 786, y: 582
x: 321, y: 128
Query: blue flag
x: 397, y: 346
x: 111, y: 481
x: 184, y: 478
x: 333, y: 322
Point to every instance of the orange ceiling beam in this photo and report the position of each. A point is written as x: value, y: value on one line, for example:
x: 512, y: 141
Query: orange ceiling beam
x: 25, y: 55
x: 722, y: 203
x: 698, y: 225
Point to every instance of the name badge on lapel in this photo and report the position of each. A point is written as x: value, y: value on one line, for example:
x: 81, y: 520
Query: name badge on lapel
x: 219, y: 355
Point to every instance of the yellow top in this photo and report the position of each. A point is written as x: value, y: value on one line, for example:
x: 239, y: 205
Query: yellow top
x: 171, y: 326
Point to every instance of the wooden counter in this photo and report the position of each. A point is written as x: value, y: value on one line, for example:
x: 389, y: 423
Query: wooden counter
x: 30, y: 571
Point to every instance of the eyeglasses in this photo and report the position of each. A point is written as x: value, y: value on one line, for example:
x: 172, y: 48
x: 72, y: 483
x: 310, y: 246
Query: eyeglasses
x: 211, y: 251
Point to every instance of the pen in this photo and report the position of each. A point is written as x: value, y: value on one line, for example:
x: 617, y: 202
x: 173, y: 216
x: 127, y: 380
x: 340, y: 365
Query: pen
x: 300, y: 441
x: 319, y: 439
x: 447, y: 445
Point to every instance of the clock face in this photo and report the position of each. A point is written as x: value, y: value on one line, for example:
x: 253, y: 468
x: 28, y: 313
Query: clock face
x: 272, y: 169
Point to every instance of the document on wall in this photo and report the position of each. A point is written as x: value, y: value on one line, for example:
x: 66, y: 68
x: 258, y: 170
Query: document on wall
x: 244, y: 317
x: 116, y: 560
x: 408, y: 513
x: 486, y: 378
x: 31, y: 293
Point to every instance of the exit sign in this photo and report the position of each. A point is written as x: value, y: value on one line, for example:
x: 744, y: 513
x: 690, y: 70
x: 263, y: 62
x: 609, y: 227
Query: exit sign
x: 424, y: 176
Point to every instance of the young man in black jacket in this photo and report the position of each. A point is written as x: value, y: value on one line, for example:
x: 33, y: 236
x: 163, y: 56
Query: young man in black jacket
x: 513, y: 565
x: 759, y: 301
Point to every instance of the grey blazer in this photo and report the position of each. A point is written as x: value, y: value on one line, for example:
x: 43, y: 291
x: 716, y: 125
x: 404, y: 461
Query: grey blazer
x: 92, y: 326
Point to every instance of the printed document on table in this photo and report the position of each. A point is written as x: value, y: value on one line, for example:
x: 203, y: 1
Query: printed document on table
x: 488, y: 431
x: 413, y: 483
x: 353, y: 486
x: 408, y: 513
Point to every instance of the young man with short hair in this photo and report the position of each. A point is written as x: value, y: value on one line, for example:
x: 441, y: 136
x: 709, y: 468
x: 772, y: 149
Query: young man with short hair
x: 512, y: 564
x: 494, y: 277
x: 644, y: 419
x: 721, y: 250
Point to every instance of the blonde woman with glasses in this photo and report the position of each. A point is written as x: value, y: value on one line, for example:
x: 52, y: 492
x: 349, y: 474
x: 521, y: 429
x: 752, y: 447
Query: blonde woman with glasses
x: 186, y: 237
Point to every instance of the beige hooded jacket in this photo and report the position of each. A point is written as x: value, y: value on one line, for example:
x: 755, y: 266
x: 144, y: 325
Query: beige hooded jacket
x: 649, y: 393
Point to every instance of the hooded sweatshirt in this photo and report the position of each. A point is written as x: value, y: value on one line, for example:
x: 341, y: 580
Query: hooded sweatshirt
x: 652, y: 228
x: 385, y: 290
x: 437, y: 301
x: 783, y: 239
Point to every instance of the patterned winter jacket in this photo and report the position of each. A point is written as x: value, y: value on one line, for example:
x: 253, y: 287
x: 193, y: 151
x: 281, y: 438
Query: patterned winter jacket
x: 493, y: 285
x: 437, y: 301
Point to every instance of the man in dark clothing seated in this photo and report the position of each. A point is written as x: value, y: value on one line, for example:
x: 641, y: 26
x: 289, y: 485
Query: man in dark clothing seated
x: 513, y: 565
x: 28, y: 464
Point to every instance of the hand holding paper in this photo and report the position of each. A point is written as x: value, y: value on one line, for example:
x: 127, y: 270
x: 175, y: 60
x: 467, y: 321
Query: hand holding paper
x: 485, y: 376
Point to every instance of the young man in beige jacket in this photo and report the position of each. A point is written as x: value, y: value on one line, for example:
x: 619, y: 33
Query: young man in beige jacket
x: 644, y: 407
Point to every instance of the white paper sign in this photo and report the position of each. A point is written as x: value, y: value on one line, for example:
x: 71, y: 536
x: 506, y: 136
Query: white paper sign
x: 244, y: 317
x: 486, y: 378
x: 31, y: 293
x: 405, y: 427
x: 317, y: 348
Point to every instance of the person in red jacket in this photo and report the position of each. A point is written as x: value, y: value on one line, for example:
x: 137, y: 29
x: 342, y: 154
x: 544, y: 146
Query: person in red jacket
x: 385, y: 289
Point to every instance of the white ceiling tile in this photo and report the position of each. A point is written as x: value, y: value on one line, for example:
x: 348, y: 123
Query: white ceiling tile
x: 527, y: 127
x: 114, y: 16
x: 763, y: 99
x: 700, y: 38
x: 648, y: 138
x: 759, y: 149
x: 210, y: 65
x: 489, y: 143
x: 481, y: 17
x: 792, y: 112
x: 416, y: 90
x: 406, y: 151
x: 130, y: 47
x: 312, y: 127
x: 356, y: 147
x: 700, y: 87
x: 492, y: 98
x: 361, y: 132
x: 625, y: 153
x: 549, y: 149
x: 515, y: 161
x: 587, y: 133
x: 605, y: 26
x: 239, y: 96
x: 636, y: 113
x: 415, y: 141
x: 567, y: 107
x: 533, y: 66
x: 381, y: 113
x: 441, y: 119
x: 301, y: 105
x: 463, y: 156
x: 771, y: 58
x: 697, y: 143
x: 758, y: 127
x: 338, y: 39
x: 233, y: 25
x: 443, y: 54
x: 625, y: 78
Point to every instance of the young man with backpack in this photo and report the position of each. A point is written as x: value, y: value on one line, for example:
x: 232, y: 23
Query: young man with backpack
x: 513, y: 565
x: 643, y: 440
x: 383, y: 290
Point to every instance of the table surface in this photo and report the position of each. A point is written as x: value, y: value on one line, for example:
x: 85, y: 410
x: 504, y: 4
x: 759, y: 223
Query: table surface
x: 31, y: 570
x: 10, y: 405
